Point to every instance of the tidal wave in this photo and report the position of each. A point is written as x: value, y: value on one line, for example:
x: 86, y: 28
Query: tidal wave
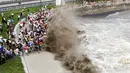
x: 107, y: 42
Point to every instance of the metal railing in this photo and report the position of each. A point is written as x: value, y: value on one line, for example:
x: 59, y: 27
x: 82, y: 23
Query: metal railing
x: 3, y: 9
x: 14, y: 1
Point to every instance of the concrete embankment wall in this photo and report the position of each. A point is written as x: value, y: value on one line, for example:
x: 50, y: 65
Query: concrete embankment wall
x: 97, y: 10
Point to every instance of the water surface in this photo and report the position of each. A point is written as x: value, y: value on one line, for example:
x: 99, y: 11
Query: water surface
x: 107, y: 41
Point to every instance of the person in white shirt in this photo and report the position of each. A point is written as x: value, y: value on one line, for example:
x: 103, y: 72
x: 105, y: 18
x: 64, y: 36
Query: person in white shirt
x: 29, y: 33
x: 12, y: 14
x: 0, y: 28
x: 5, y: 40
x: 21, y: 25
x: 2, y: 14
x: 18, y: 17
x: 16, y: 51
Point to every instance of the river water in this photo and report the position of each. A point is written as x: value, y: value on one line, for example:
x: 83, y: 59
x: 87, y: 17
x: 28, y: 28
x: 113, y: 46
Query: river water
x: 106, y: 41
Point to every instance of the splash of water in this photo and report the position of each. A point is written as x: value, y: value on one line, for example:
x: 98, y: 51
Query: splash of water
x: 105, y: 41
x: 62, y: 40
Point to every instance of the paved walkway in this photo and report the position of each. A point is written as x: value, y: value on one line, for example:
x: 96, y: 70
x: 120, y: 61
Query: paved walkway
x: 42, y: 63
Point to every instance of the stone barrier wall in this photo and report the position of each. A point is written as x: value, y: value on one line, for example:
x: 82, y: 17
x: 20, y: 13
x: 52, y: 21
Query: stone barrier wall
x: 86, y: 10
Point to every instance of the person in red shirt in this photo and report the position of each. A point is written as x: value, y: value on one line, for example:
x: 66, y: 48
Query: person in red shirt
x: 28, y: 17
x: 24, y: 23
x: 26, y: 48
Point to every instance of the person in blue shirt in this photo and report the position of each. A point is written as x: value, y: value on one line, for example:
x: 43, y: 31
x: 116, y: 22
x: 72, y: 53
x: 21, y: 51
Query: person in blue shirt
x: 1, y: 49
x: 31, y: 44
x: 2, y: 52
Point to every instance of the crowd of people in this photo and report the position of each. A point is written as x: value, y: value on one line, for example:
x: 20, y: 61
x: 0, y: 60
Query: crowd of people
x: 30, y: 36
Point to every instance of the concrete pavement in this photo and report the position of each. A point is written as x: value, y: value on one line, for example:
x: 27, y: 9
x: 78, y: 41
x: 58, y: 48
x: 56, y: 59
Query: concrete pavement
x: 42, y: 62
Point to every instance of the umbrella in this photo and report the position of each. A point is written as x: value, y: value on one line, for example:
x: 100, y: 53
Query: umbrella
x: 1, y: 40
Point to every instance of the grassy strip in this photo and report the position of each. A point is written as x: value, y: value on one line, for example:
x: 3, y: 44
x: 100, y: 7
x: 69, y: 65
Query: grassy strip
x: 12, y: 66
x: 15, y: 18
x: 51, y: 6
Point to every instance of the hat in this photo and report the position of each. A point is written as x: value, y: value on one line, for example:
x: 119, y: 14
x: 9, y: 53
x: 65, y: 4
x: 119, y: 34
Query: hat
x: 45, y: 33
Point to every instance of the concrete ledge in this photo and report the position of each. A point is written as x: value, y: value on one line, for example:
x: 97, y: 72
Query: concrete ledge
x: 86, y: 11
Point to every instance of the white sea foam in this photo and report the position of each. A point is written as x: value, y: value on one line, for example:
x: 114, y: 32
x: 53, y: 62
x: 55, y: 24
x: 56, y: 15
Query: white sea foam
x: 107, y: 42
